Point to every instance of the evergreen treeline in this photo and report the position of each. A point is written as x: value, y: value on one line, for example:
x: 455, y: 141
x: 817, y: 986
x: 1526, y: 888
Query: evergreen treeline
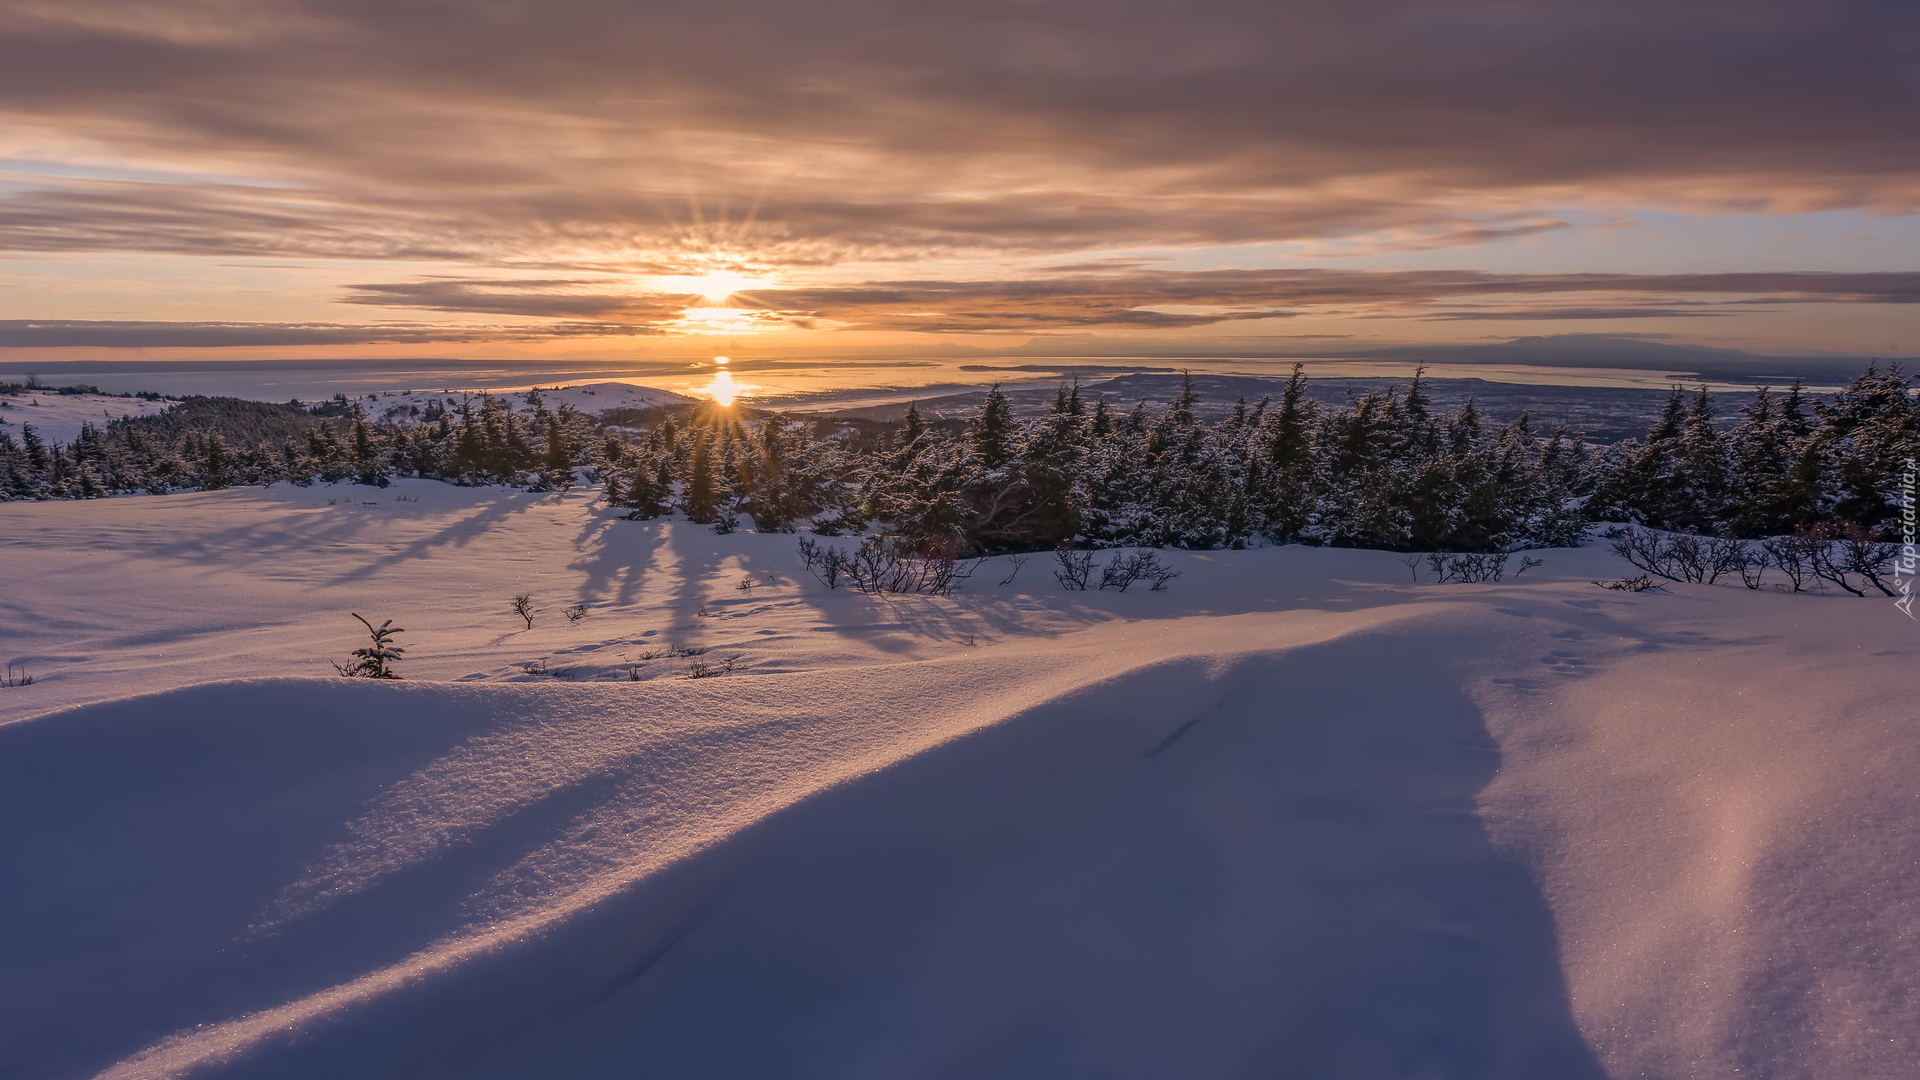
x: 1789, y: 463
x: 1386, y: 470
x: 205, y: 443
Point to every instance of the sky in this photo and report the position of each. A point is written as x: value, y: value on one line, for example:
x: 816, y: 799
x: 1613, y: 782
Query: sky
x: 590, y: 179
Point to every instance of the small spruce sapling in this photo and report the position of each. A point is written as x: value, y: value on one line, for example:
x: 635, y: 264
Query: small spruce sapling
x: 375, y: 661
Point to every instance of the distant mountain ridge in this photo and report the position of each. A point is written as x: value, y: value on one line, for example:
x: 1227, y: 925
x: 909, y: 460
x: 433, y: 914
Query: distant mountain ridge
x: 1545, y: 350
x: 1604, y: 350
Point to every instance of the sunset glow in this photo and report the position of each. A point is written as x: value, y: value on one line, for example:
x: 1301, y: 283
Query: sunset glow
x: 719, y: 320
x: 713, y: 286
x: 513, y: 517
x: 986, y: 187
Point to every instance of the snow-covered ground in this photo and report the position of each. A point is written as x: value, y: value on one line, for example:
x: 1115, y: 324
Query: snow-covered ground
x: 1295, y: 816
x: 57, y: 417
x: 590, y: 398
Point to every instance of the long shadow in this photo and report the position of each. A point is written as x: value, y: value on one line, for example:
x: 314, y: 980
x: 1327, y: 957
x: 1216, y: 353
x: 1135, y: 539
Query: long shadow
x: 616, y: 556
x: 140, y: 838
x: 485, y: 516
x: 1271, y: 867
x: 317, y: 529
x: 979, y: 609
x: 1295, y: 884
x: 698, y: 554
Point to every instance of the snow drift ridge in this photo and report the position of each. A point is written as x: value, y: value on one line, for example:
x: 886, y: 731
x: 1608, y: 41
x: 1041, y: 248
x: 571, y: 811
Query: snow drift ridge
x: 1120, y: 865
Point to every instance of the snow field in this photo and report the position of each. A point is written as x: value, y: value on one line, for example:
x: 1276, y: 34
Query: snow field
x: 57, y: 417
x: 1297, y: 815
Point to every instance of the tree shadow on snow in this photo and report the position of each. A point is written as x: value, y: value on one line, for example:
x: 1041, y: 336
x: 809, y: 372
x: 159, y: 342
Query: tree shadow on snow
x: 1265, y: 867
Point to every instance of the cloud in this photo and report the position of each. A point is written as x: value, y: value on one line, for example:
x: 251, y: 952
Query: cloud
x: 1629, y: 311
x: 1138, y: 298
x: 32, y: 333
x: 549, y: 298
x: 1131, y: 298
x: 584, y: 133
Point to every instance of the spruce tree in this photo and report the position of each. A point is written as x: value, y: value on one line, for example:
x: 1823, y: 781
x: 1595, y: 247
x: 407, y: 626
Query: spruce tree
x: 700, y: 499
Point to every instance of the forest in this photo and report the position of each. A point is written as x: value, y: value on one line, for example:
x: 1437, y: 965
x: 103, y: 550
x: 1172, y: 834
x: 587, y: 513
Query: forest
x: 1384, y: 470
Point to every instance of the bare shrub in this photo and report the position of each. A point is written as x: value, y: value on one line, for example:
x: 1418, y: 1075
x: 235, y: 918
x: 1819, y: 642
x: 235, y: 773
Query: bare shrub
x: 374, y: 660
x: 522, y: 606
x: 575, y: 613
x: 1793, y: 556
x: 1647, y: 552
x: 541, y: 669
x: 1527, y: 564
x: 746, y: 584
x: 1837, y: 551
x: 17, y: 676
x: 700, y: 669
x: 888, y: 564
x: 1725, y: 555
x: 1701, y: 560
x: 827, y: 563
x: 1124, y: 570
x: 1858, y: 552
x: 833, y: 567
x: 1018, y: 561
x: 1685, y: 554
x: 1633, y: 584
x: 1826, y: 556
x: 1467, y: 567
x: 1076, y: 567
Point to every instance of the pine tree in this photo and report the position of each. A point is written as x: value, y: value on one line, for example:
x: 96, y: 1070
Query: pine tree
x: 1287, y: 462
x: 700, y: 501
x: 556, y: 473
x: 992, y: 431
x: 1868, y: 431
x: 1700, y: 499
x: 369, y: 464
x: 375, y: 660
x: 1644, y: 485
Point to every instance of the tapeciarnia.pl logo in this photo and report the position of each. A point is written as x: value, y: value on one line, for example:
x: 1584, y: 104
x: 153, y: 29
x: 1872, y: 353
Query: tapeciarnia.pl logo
x: 1904, y: 565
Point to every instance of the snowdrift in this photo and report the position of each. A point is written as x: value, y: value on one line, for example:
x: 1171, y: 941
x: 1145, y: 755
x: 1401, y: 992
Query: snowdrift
x: 1296, y: 816
x: 1202, y: 865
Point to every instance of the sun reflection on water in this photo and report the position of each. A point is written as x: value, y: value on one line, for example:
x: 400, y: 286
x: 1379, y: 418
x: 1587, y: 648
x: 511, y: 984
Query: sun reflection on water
x: 722, y: 389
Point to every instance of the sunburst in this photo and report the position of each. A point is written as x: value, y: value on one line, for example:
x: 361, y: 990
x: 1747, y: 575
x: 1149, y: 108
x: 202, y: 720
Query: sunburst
x: 714, y: 286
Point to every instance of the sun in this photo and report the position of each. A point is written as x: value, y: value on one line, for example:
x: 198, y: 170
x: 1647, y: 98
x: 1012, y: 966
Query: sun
x: 723, y: 390
x: 713, y: 286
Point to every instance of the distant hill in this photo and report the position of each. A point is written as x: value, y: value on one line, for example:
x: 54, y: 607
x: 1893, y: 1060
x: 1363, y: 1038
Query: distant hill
x: 1604, y: 350
x: 593, y: 399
